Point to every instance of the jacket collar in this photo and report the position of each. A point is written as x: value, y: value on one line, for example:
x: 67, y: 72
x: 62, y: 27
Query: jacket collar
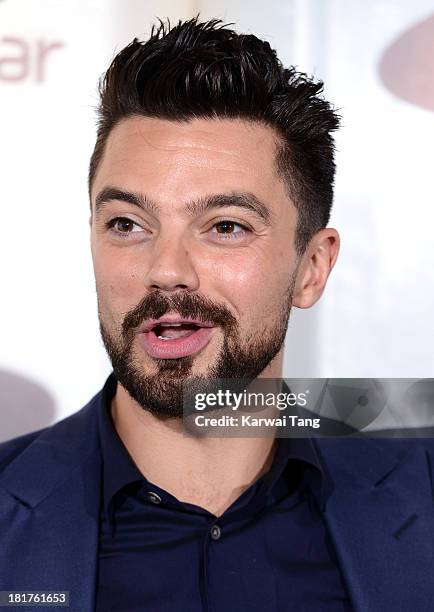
x: 380, y: 519
x: 49, y: 511
x: 53, y: 455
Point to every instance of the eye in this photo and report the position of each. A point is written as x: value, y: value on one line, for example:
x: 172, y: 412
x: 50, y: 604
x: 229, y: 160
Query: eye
x: 229, y: 230
x: 123, y: 226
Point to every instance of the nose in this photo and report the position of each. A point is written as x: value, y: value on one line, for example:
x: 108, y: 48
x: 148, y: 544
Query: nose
x: 171, y: 266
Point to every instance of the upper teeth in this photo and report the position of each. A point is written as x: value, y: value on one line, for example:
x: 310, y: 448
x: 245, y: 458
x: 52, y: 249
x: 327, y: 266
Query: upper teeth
x: 170, y: 324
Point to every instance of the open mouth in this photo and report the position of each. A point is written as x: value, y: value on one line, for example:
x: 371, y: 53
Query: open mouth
x: 170, y: 331
x: 174, y: 339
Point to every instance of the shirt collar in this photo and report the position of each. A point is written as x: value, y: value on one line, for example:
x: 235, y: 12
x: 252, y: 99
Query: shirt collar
x: 119, y: 469
x: 300, y: 449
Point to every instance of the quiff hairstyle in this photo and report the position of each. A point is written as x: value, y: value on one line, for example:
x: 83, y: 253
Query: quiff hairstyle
x: 206, y: 70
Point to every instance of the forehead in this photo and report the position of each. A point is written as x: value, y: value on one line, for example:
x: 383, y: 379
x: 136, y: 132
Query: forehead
x: 185, y: 159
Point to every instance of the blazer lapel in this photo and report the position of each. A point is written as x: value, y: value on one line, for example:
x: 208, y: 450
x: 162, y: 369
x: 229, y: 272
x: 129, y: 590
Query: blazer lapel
x: 381, y: 519
x: 49, y: 512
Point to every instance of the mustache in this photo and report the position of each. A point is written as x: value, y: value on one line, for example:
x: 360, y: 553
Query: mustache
x: 197, y: 306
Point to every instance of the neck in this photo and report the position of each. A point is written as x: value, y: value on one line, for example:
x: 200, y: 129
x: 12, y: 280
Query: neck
x: 208, y: 472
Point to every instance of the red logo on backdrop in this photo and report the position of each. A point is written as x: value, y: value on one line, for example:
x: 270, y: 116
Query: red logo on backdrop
x: 407, y: 66
x: 26, y: 60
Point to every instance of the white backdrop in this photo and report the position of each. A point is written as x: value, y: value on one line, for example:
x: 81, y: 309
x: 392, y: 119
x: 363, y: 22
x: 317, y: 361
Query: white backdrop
x: 375, y: 318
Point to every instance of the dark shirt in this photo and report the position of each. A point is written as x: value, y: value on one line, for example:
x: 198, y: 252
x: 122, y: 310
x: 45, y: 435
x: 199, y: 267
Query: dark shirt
x: 269, y: 551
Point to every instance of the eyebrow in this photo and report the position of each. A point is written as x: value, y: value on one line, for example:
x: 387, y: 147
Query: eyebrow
x: 240, y: 199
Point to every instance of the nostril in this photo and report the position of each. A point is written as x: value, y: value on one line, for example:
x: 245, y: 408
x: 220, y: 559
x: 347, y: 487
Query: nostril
x: 167, y: 288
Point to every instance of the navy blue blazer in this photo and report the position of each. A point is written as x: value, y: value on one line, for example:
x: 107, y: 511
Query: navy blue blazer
x: 379, y: 511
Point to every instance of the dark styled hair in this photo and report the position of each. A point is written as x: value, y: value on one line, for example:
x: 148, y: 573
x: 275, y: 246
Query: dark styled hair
x: 205, y: 70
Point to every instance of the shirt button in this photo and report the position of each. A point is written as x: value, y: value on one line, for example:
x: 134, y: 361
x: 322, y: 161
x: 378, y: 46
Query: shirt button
x: 215, y: 532
x: 154, y: 497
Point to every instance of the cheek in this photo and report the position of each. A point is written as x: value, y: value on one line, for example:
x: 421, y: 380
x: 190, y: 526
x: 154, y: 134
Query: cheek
x: 119, y: 285
x: 250, y: 282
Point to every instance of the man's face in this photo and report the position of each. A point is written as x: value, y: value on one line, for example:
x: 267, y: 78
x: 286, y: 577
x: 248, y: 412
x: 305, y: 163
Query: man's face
x: 191, y: 226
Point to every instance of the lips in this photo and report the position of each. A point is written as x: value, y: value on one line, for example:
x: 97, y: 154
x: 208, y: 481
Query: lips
x: 172, y: 337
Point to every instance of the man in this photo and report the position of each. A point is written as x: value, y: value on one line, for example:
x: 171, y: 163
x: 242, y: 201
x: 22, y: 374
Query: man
x: 211, y: 187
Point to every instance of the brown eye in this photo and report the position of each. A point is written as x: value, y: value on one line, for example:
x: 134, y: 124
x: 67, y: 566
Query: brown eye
x: 124, y: 225
x: 226, y: 227
x: 226, y: 231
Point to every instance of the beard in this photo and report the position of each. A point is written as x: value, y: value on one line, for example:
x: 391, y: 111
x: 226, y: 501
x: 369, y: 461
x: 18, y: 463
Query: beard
x: 240, y: 359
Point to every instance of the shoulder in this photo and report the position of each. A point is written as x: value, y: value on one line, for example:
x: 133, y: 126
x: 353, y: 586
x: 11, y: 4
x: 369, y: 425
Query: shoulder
x: 375, y: 456
x: 398, y: 446
x: 14, y: 447
x: 69, y: 438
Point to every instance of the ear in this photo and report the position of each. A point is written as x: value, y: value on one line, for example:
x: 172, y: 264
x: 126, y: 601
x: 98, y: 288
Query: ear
x: 316, y: 264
